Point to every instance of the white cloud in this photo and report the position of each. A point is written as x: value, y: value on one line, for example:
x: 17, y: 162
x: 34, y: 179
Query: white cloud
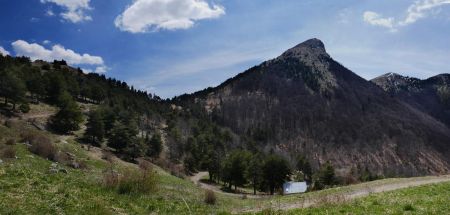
x: 75, y: 10
x: 418, y: 10
x: 3, y: 51
x: 49, y: 12
x: 46, y: 42
x: 152, y: 15
x: 377, y: 20
x: 58, y: 52
x: 99, y: 70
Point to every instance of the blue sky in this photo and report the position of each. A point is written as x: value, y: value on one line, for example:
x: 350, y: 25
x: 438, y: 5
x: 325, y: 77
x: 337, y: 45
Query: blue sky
x: 170, y: 47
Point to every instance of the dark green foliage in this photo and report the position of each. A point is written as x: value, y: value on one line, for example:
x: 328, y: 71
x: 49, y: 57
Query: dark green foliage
x: 276, y: 171
x: 254, y: 173
x: 235, y: 167
x: 95, y: 127
x: 155, y: 146
x: 124, y: 137
x: 325, y: 177
x: 304, y: 166
x: 24, y: 108
x: 408, y: 207
x: 121, y: 136
x: 11, y: 86
x: 68, y: 118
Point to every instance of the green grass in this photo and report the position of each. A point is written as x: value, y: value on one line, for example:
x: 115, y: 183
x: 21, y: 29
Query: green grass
x: 427, y: 199
x: 27, y: 187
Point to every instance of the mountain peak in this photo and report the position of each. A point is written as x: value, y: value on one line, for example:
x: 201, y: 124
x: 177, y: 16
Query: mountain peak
x: 310, y: 50
x: 312, y: 43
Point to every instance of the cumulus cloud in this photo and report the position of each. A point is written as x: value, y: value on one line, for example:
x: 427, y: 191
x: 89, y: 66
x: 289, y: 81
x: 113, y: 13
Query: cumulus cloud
x: 75, y: 10
x: 3, y: 51
x: 418, y: 10
x: 152, y: 15
x: 57, y: 52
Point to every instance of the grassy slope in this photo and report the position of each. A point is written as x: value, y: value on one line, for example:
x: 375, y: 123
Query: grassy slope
x: 427, y: 199
x: 26, y: 187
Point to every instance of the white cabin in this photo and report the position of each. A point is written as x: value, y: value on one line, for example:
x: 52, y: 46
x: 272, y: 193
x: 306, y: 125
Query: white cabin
x: 294, y: 187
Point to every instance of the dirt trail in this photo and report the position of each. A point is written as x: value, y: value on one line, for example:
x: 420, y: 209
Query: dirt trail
x: 353, y: 194
x: 197, y: 177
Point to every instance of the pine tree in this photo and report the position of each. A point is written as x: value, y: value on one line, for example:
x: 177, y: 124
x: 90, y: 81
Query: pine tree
x: 254, y: 171
x: 68, y: 118
x: 155, y: 146
x: 95, y: 130
x: 276, y: 171
x: 11, y: 87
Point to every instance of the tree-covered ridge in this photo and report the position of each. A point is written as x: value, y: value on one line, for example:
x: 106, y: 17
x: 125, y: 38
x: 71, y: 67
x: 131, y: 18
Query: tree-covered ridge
x: 132, y: 123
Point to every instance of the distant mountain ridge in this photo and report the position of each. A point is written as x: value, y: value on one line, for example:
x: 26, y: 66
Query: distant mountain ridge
x: 305, y: 103
x: 431, y: 95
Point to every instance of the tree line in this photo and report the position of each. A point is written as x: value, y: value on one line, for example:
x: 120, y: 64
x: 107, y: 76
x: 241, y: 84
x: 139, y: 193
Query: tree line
x: 119, y: 109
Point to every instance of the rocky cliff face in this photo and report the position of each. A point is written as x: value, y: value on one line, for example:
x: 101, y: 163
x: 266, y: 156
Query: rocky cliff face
x: 305, y: 103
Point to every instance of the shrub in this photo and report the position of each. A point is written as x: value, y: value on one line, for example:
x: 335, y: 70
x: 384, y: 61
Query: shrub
x: 44, y: 148
x: 8, y: 152
x: 210, y: 197
x: 10, y: 142
x: 408, y: 207
x: 108, y: 156
x: 142, y: 181
x: 24, y: 108
x: 110, y: 178
x: 32, y: 137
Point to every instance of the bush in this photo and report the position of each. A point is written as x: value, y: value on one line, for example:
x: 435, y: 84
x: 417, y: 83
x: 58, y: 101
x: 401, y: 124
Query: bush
x: 210, y: 197
x: 10, y: 142
x: 142, y: 181
x: 138, y: 182
x: 110, y: 178
x: 44, y: 148
x: 32, y: 137
x: 408, y: 207
x: 24, y: 108
x: 8, y: 152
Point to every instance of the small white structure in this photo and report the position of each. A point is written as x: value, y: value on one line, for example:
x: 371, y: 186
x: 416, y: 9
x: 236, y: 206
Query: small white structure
x: 294, y: 187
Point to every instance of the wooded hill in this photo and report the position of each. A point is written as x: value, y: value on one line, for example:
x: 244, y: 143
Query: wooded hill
x: 302, y: 114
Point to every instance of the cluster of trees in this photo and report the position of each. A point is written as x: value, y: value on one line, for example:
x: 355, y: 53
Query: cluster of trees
x: 123, y: 133
x: 267, y: 172
x: 120, y: 109
x: 263, y: 172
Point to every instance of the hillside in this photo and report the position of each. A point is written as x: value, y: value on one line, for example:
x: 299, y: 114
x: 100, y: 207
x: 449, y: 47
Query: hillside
x: 305, y: 103
x: 431, y: 95
x: 29, y: 185
x: 71, y: 141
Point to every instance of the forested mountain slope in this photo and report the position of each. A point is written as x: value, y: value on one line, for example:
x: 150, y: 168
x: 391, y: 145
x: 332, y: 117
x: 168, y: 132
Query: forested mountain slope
x: 305, y: 103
